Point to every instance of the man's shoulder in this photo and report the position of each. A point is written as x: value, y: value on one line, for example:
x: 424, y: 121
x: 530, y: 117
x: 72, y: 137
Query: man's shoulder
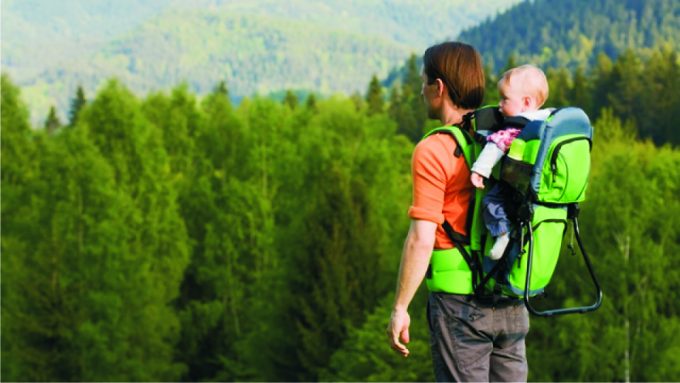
x: 436, y: 144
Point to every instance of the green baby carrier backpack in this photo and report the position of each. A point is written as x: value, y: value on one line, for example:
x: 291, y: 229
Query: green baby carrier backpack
x: 546, y: 170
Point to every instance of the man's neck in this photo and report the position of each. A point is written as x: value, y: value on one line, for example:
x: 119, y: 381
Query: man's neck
x: 452, y: 115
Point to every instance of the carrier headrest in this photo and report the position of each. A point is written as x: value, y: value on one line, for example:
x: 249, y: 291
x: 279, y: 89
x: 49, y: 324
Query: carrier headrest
x: 570, y: 120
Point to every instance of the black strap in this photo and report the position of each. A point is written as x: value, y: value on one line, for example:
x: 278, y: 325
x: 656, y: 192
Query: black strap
x: 459, y: 240
x: 515, y: 121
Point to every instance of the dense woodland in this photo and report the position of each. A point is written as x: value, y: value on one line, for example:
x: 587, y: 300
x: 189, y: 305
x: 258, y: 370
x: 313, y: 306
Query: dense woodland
x: 173, y: 237
x: 573, y: 33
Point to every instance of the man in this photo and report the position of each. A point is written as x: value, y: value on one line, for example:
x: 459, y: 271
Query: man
x: 470, y: 340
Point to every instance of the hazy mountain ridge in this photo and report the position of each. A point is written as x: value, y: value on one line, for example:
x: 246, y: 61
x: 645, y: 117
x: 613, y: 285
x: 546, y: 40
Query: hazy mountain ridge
x: 259, y: 46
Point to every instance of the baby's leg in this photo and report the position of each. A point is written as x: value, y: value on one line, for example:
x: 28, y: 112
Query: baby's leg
x: 496, y: 220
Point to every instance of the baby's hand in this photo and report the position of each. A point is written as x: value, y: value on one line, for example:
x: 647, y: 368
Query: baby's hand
x: 477, y: 180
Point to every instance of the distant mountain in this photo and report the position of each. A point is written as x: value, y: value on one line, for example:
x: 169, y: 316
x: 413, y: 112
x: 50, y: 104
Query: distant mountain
x: 263, y: 46
x: 572, y: 33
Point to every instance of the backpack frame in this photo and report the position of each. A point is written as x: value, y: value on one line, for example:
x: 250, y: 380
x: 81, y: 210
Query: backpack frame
x: 539, y: 207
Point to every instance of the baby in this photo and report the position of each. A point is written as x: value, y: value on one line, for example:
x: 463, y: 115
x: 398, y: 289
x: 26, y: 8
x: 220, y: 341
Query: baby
x: 523, y: 91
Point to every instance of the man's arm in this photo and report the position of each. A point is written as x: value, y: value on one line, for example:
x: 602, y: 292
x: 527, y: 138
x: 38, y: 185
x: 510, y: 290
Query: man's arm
x: 414, y: 261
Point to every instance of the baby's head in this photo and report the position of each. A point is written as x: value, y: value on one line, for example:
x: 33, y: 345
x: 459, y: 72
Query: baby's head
x: 522, y: 89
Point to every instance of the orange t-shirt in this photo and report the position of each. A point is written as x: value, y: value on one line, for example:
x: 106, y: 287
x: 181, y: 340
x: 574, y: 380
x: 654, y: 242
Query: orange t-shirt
x: 441, y: 186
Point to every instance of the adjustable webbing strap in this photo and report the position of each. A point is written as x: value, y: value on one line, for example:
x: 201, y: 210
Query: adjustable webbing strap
x: 459, y: 240
x: 515, y: 122
x: 465, y: 148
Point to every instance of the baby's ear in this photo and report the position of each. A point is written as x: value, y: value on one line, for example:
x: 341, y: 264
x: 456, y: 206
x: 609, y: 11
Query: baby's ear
x: 528, y: 102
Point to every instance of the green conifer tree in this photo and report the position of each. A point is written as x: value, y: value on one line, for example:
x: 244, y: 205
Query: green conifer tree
x: 221, y: 88
x: 491, y: 92
x: 311, y: 102
x: 581, y: 94
x: 374, y: 97
x: 659, y: 99
x: 602, y: 79
x: 414, y: 113
x: 156, y: 236
x: 412, y: 80
x: 66, y: 315
x: 560, y: 87
x: 52, y: 122
x: 329, y: 241
x: 19, y: 170
x: 290, y: 99
x: 77, y: 105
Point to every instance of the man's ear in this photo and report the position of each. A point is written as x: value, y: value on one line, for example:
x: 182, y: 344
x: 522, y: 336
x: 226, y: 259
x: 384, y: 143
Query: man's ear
x: 441, y: 88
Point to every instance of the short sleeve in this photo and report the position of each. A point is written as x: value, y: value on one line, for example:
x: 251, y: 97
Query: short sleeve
x: 429, y: 180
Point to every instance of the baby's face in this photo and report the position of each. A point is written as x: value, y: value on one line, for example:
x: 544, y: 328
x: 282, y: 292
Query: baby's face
x: 512, y: 100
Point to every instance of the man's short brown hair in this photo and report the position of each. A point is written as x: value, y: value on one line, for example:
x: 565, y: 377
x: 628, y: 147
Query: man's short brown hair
x: 459, y: 66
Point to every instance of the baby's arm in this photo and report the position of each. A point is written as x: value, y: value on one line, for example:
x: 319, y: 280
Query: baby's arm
x: 487, y: 159
x: 477, y: 180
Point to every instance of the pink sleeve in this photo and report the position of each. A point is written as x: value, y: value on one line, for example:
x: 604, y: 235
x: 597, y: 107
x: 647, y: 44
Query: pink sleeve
x: 503, y: 138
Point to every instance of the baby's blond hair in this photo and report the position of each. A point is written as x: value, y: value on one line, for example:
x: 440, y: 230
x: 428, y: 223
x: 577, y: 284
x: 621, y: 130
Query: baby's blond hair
x: 529, y: 79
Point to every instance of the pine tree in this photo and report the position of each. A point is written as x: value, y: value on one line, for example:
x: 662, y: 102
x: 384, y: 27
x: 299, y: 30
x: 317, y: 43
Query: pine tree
x: 414, y: 112
x: 65, y: 317
x: 627, y: 86
x: 156, y: 236
x: 510, y: 63
x: 311, y: 102
x: 412, y: 80
x: 491, y: 93
x: 329, y: 241
x: 374, y: 97
x: 560, y: 87
x: 177, y: 117
x: 230, y: 246
x: 77, y: 105
x: 221, y: 88
x: 19, y: 170
x: 401, y: 112
x: 358, y: 100
x: 395, y: 107
x: 291, y: 99
x: 581, y: 92
x: 659, y: 100
x: 52, y: 122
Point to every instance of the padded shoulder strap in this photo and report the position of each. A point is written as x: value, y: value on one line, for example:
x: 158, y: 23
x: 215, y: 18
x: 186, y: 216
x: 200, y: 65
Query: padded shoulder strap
x: 485, y: 118
x: 517, y: 122
x: 464, y: 143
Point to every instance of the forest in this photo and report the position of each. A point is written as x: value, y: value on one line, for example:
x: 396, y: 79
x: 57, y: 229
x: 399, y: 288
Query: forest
x: 176, y: 237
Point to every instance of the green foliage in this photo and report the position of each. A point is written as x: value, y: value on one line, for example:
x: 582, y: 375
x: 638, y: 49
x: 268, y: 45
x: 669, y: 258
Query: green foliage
x: 374, y: 97
x: 18, y: 170
x: 291, y: 100
x: 52, y: 122
x: 338, y: 238
x: 640, y: 90
x: 180, y: 237
x: 77, y: 105
x: 406, y: 104
x: 97, y: 248
x: 630, y: 227
x: 365, y: 355
x: 573, y: 33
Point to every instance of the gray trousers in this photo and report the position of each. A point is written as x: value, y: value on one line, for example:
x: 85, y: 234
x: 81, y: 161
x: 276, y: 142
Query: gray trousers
x: 475, y: 342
